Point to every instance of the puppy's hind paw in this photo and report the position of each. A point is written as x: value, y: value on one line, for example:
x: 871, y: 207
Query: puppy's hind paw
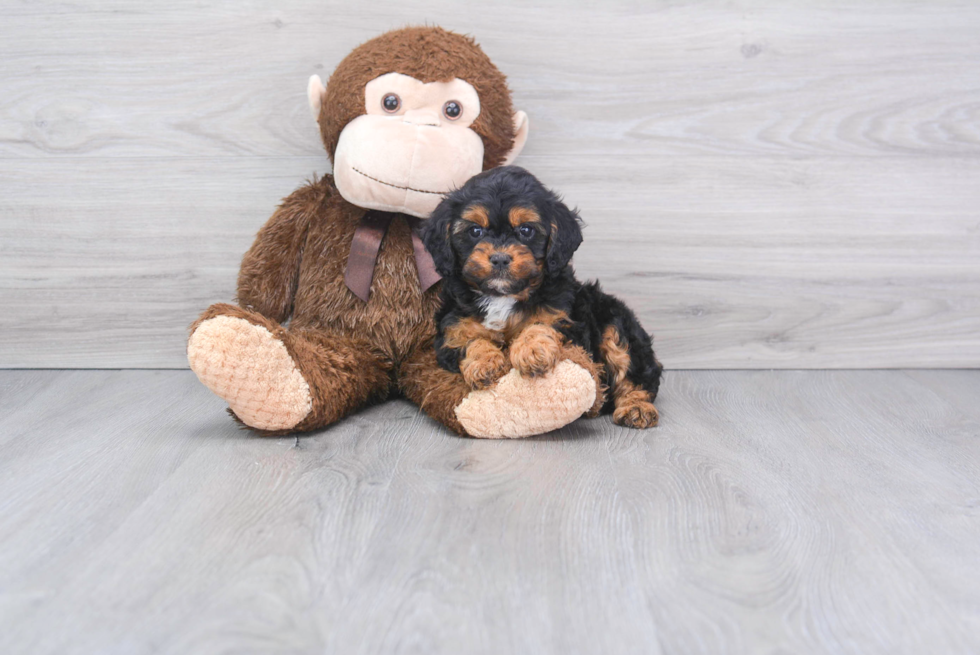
x: 638, y: 414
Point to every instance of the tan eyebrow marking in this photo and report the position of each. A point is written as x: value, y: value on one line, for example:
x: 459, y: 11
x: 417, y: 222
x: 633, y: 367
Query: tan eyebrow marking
x: 519, y: 215
x: 477, y: 214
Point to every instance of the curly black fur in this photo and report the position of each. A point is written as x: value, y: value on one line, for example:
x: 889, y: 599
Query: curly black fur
x: 551, y: 241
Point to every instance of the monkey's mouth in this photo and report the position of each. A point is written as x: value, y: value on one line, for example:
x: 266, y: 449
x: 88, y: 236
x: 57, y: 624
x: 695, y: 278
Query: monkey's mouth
x: 395, y: 186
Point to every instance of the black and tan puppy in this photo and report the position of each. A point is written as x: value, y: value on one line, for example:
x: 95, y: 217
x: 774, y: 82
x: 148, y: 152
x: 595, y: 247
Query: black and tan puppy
x: 502, y: 243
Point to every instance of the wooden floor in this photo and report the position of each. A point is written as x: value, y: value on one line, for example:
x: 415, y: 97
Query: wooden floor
x: 772, y: 512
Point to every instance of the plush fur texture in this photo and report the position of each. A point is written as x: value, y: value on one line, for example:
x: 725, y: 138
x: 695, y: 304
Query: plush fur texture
x: 429, y: 54
x: 504, y: 235
x: 348, y: 352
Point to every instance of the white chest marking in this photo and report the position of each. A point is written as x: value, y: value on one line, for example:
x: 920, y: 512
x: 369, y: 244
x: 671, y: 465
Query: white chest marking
x: 497, y: 309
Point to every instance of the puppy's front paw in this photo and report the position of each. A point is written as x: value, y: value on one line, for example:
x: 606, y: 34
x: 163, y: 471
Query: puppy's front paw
x: 483, y: 365
x: 536, y: 350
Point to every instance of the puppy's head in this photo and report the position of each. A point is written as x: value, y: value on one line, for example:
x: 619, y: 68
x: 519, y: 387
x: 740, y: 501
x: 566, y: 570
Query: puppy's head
x: 502, y: 233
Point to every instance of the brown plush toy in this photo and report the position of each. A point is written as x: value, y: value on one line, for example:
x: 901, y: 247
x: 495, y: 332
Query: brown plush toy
x: 405, y: 118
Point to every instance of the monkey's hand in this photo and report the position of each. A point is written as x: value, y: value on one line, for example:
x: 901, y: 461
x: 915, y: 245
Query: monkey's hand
x: 483, y: 364
x: 536, y: 350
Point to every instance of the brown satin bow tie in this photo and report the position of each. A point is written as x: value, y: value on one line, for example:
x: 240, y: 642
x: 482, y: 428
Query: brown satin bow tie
x: 364, y: 253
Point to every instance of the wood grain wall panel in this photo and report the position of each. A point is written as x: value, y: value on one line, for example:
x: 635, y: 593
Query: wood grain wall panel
x: 208, y: 79
x: 793, y: 186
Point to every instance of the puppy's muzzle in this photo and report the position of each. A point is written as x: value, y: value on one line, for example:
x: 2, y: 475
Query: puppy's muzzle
x: 505, y: 271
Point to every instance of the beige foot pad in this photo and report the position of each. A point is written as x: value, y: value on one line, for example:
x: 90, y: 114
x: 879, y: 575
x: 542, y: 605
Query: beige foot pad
x: 251, y: 370
x: 523, y: 407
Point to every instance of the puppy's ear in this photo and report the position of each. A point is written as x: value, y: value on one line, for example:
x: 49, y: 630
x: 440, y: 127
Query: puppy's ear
x: 435, y: 236
x: 566, y: 236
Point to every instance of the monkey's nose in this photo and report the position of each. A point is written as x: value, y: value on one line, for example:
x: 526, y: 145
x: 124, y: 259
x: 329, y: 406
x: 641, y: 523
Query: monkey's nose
x: 421, y: 117
x: 500, y: 260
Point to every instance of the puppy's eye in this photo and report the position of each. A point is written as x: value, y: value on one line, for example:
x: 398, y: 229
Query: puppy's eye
x: 452, y: 110
x: 526, y: 231
x: 476, y: 231
x: 391, y: 103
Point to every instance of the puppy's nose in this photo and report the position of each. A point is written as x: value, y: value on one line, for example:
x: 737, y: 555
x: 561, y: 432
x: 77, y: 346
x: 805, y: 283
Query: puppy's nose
x: 500, y: 260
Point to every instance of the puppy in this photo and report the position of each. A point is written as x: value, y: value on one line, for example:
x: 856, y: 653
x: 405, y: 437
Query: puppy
x: 502, y: 244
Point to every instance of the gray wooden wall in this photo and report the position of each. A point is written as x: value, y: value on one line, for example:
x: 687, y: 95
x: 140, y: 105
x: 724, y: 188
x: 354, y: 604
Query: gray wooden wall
x: 791, y: 186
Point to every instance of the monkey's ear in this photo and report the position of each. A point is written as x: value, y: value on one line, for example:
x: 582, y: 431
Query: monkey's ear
x: 521, y: 126
x: 315, y: 92
x: 436, y: 237
x: 566, y: 236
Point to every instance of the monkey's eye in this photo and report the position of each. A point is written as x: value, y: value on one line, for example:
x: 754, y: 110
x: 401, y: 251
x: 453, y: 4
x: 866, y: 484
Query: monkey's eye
x: 476, y: 231
x: 391, y: 103
x: 526, y: 231
x: 452, y: 110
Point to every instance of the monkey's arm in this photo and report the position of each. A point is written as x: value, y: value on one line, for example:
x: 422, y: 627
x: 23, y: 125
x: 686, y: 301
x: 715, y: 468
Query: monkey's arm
x: 270, y: 269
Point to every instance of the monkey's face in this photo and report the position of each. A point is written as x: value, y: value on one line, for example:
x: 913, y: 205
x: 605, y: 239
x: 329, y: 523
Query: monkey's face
x: 500, y: 249
x: 412, y: 146
x: 440, y: 113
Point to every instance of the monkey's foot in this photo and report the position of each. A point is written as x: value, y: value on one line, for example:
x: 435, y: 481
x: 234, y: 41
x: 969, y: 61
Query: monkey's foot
x: 521, y: 407
x: 251, y: 370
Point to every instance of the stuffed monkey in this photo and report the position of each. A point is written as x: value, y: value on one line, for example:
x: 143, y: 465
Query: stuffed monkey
x: 405, y: 118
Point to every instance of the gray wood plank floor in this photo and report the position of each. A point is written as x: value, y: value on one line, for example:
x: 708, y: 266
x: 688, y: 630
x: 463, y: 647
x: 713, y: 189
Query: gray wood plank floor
x: 772, y: 512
